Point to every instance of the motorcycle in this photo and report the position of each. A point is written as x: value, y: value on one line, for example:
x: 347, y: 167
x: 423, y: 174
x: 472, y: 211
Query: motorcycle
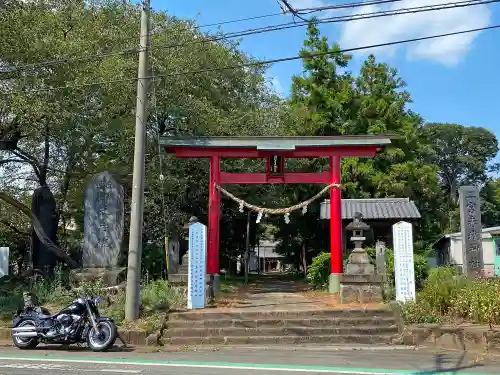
x: 78, y: 323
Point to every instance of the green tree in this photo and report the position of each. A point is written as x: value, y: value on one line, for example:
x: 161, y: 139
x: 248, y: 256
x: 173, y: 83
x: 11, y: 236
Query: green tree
x: 463, y: 156
x: 74, y: 117
x: 321, y: 97
x: 490, y: 203
x: 331, y: 101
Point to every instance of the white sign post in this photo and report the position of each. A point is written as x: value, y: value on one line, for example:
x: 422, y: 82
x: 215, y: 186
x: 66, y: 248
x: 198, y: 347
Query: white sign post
x: 197, y: 265
x: 4, y: 261
x: 404, y: 270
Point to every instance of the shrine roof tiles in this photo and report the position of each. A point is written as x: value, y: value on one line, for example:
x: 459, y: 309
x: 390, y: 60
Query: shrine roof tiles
x: 378, y: 208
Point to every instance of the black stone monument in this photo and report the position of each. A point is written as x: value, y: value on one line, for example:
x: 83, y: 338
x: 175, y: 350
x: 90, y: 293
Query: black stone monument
x: 43, y: 206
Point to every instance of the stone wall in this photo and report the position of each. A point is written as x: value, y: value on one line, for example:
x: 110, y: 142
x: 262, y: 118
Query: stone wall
x: 469, y: 337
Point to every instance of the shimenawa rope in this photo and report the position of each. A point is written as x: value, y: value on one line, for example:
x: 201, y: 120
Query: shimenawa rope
x: 275, y: 211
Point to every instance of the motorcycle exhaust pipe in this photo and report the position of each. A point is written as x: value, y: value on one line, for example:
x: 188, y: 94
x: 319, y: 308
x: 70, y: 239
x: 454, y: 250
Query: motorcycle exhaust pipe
x: 25, y: 334
x: 24, y: 329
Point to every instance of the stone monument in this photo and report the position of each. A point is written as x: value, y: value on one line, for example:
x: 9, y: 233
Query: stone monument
x: 471, y: 230
x: 43, y: 207
x: 4, y: 261
x: 404, y: 269
x: 360, y: 283
x: 381, y: 258
x: 173, y: 255
x: 103, y: 229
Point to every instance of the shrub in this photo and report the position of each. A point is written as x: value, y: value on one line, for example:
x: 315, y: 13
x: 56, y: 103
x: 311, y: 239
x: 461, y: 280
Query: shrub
x: 447, y: 294
x: 420, y: 265
x: 478, y: 300
x: 440, y: 289
x: 418, y: 312
x: 319, y: 271
x: 161, y: 295
x: 422, y: 270
x: 153, y: 262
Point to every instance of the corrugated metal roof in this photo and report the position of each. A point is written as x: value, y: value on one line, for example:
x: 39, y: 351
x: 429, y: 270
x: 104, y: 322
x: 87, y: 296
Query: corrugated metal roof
x: 459, y: 234
x: 484, y: 230
x: 379, y: 208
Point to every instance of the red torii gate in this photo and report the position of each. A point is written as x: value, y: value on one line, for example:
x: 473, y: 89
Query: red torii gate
x: 275, y: 150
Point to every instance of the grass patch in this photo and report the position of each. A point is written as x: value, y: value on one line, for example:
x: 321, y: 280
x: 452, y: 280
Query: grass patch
x: 157, y: 298
x: 229, y: 284
x: 447, y: 296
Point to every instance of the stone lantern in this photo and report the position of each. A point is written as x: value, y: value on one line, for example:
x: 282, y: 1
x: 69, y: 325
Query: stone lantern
x: 359, y: 283
x: 358, y: 262
x: 181, y: 272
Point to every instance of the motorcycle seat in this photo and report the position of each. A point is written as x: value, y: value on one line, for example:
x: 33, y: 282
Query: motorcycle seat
x: 45, y: 317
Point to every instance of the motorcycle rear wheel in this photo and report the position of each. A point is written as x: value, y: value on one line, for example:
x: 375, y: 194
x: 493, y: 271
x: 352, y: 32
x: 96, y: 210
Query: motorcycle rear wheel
x: 104, y: 339
x: 28, y: 342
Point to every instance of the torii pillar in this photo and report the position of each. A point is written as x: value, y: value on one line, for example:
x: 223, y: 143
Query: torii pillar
x: 336, y: 259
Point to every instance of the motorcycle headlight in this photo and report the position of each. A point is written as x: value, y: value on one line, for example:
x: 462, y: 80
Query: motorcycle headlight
x: 97, y: 300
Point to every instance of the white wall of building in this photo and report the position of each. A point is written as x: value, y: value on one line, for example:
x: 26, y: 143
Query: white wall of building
x: 456, y: 255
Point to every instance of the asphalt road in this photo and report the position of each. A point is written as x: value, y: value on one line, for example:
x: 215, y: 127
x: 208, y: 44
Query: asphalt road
x: 254, y: 361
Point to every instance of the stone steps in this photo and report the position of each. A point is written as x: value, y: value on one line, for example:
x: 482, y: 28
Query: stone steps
x: 288, y: 322
x: 279, y: 331
x: 333, y: 326
x: 284, y: 314
x: 280, y: 340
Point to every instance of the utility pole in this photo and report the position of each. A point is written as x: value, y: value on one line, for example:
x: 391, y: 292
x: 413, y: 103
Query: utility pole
x: 137, y: 206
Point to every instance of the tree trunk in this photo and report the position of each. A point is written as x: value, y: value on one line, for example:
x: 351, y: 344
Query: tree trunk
x: 64, y: 191
x: 46, y: 157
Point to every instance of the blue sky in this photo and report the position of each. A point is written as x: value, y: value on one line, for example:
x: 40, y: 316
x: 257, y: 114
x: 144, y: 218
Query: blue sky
x: 454, y: 79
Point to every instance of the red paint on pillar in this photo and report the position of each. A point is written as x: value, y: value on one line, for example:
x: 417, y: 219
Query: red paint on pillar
x: 213, y: 217
x: 335, y: 216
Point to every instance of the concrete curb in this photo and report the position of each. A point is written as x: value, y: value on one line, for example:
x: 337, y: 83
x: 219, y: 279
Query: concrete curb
x: 5, y: 334
x: 136, y: 338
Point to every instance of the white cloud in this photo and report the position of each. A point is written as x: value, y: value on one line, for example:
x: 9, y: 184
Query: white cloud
x: 448, y: 50
x: 301, y: 4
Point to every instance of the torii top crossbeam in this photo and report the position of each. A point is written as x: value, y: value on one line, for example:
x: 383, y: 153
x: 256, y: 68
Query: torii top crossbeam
x: 291, y: 147
x: 275, y: 150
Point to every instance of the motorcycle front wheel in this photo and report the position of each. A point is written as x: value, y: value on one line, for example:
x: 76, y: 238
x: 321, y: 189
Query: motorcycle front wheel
x: 25, y: 342
x: 104, y: 338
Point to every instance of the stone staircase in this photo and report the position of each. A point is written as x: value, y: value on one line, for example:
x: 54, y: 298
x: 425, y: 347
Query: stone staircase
x: 339, y: 326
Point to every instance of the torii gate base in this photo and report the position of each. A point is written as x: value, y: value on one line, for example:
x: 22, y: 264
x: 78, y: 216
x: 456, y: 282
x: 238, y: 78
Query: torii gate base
x: 275, y: 150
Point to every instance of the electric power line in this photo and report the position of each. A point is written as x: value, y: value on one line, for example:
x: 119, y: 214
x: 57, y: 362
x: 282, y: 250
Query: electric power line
x: 335, y: 7
x: 300, y: 11
x: 346, y: 18
x: 242, y: 20
x: 291, y: 9
x: 271, y: 28
x: 271, y: 61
